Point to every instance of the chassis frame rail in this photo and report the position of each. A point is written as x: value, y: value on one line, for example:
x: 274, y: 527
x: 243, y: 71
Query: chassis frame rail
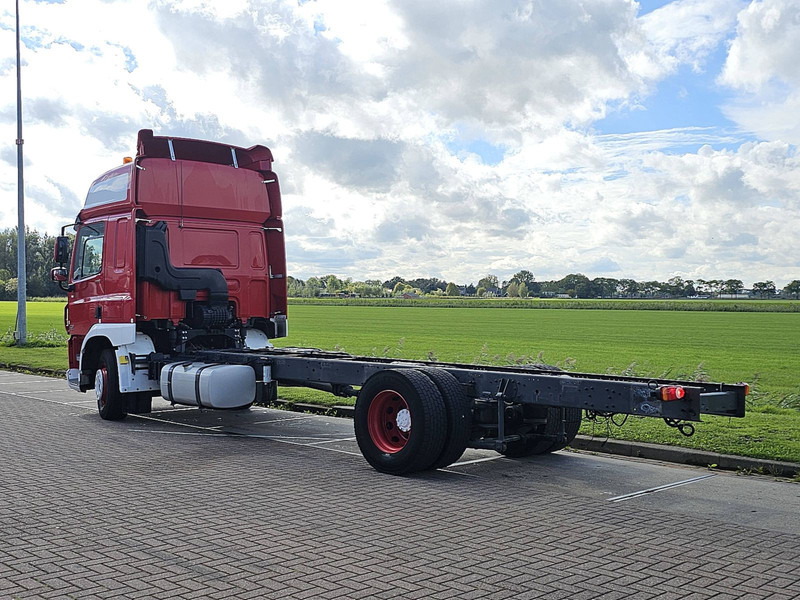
x: 337, y: 372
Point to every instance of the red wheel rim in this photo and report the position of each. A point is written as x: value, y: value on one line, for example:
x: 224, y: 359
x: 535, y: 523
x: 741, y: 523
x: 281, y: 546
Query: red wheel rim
x: 101, y: 386
x: 389, y: 421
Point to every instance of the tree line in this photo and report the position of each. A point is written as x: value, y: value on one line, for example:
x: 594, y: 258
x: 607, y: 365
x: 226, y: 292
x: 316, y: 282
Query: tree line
x: 39, y: 261
x: 523, y: 284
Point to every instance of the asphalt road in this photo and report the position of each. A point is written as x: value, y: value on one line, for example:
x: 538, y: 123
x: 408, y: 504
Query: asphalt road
x: 265, y: 503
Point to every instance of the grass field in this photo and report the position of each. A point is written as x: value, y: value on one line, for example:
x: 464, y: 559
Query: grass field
x: 762, y: 348
x: 683, y: 304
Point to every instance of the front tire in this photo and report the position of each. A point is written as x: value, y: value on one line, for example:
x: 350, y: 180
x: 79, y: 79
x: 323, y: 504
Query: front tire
x: 111, y: 404
x: 400, y: 421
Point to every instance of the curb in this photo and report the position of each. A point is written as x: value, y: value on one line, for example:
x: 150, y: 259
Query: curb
x: 673, y: 454
x: 687, y: 456
x: 44, y: 371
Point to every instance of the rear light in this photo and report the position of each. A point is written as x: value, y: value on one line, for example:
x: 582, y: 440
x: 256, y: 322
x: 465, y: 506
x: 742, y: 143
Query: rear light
x: 669, y: 393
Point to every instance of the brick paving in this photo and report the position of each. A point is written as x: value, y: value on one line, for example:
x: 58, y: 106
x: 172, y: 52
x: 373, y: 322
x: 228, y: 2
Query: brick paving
x: 90, y: 509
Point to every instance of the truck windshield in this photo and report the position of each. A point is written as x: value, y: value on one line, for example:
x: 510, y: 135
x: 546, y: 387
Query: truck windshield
x: 89, y: 251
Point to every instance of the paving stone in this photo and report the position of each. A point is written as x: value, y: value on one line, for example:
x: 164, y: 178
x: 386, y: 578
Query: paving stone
x: 91, y: 509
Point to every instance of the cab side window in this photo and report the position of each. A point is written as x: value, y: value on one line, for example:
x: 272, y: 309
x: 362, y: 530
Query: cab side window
x: 89, y: 251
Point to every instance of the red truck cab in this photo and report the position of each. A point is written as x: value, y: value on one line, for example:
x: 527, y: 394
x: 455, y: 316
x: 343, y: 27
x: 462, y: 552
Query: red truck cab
x: 179, y: 249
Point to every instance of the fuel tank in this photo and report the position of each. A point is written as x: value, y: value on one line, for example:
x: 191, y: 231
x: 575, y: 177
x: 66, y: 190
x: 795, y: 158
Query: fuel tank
x: 208, y: 385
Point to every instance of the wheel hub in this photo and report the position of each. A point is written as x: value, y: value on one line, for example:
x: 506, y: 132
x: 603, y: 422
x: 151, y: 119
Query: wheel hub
x: 403, y: 420
x: 389, y: 421
x: 100, y: 386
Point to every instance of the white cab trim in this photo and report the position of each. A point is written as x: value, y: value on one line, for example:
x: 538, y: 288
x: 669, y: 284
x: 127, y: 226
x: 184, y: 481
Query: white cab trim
x: 131, y: 380
x: 118, y: 334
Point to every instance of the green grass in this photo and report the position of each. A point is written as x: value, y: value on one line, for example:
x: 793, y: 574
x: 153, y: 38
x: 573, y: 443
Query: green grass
x: 762, y: 348
x: 559, y: 303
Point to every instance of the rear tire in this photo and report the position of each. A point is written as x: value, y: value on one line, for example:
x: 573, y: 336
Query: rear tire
x: 111, y: 404
x: 459, y: 416
x: 400, y: 421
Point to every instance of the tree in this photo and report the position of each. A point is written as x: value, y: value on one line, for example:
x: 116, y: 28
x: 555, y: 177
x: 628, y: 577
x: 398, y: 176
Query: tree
x: 604, y: 286
x: 702, y: 286
x: 674, y: 286
x: 524, y: 276
x: 764, y: 289
x: 332, y: 284
x: 313, y: 287
x: 393, y: 282
x: 523, y: 290
x: 650, y: 288
x: 627, y: 287
x: 294, y: 287
x: 429, y: 284
x: 452, y: 290
x: 733, y: 286
x: 715, y: 285
x: 793, y: 289
x: 481, y: 291
x: 513, y: 290
x: 490, y: 282
x: 574, y: 284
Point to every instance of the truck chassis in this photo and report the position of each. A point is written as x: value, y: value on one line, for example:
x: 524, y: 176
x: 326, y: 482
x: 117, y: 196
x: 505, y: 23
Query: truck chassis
x: 517, y: 411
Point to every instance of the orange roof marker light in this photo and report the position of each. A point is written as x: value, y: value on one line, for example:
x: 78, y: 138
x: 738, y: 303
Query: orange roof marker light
x: 127, y: 160
x: 668, y: 393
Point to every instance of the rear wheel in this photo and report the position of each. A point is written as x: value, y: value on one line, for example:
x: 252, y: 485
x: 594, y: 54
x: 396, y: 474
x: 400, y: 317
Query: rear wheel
x: 111, y: 404
x: 400, y: 421
x: 459, y: 416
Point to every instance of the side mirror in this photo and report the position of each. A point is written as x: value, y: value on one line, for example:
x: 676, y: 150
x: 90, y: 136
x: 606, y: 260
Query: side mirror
x: 58, y: 274
x: 61, y: 251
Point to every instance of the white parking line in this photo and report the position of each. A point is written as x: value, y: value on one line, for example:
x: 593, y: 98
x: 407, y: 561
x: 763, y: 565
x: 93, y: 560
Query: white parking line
x: 210, y: 434
x: 327, y: 441
x: 477, y: 460
x: 282, y: 420
x: 660, y: 488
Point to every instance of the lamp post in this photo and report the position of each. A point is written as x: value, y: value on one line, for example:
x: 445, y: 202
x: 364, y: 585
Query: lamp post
x: 22, y: 274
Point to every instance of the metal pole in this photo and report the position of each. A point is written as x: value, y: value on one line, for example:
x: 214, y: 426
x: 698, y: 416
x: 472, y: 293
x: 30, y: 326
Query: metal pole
x: 22, y: 273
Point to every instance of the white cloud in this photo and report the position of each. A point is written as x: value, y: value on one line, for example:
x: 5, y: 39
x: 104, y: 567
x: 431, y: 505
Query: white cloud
x: 371, y: 107
x: 687, y: 31
x: 762, y: 65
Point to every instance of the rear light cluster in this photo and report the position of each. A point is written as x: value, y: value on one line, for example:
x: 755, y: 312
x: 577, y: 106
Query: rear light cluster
x: 668, y: 393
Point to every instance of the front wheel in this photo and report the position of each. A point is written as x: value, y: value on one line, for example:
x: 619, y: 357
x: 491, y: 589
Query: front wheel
x: 400, y: 421
x: 111, y: 404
